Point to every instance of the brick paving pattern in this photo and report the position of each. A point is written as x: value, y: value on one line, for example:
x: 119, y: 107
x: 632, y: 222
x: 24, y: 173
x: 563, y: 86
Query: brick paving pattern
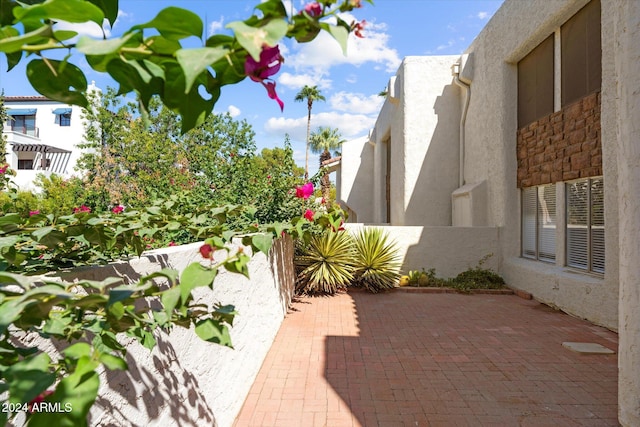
x: 407, y: 359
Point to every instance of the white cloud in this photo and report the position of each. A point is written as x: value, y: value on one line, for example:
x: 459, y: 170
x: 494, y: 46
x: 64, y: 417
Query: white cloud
x: 90, y: 29
x: 324, y: 52
x: 349, y: 125
x: 483, y: 15
x: 449, y: 44
x: 234, y: 111
x: 215, y: 26
x: 356, y: 102
x: 298, y: 81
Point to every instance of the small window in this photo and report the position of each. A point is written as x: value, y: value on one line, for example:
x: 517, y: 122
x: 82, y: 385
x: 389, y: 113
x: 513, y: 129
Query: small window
x: 26, y: 164
x: 585, y: 224
x: 65, y: 119
x: 539, y: 223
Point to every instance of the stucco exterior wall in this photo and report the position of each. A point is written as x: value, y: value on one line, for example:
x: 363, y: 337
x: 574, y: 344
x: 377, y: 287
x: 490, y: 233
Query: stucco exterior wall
x: 185, y: 381
x: 420, y: 119
x: 355, y: 180
x: 624, y: 39
x: 491, y: 136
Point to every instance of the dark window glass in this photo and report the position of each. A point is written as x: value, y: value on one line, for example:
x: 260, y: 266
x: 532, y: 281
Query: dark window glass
x: 65, y: 119
x: 581, y: 54
x: 535, y: 84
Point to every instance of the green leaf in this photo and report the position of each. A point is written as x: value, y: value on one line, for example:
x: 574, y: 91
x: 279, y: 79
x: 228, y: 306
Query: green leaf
x: 28, y: 378
x: 113, y: 362
x: 78, y: 350
x: 262, y: 242
x: 225, y: 313
x: 49, y: 236
x: 77, y: 392
x: 9, y: 312
x: 55, y: 79
x: 75, y: 11
x: 339, y: 33
x: 239, y: 265
x: 195, y: 60
x: 90, y: 46
x: 170, y: 299
x: 15, y: 43
x: 175, y: 23
x: 254, y: 38
x: 109, y: 8
x: 194, y: 276
x: 119, y: 294
x: 213, y: 331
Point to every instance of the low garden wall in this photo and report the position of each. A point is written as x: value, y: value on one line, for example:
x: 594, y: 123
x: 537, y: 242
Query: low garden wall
x: 185, y: 381
x: 450, y: 250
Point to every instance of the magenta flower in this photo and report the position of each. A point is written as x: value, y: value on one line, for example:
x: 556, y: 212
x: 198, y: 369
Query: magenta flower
x: 32, y: 213
x: 304, y: 191
x: 259, y: 71
x: 172, y: 243
x: 82, y: 208
x: 313, y: 9
x: 117, y: 209
x: 358, y: 27
x: 206, y: 251
x: 309, y: 214
x: 3, y: 169
x: 36, y: 401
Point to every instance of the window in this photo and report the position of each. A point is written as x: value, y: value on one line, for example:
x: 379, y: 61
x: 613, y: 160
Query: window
x: 63, y: 116
x: 535, y: 84
x: 581, y: 54
x: 25, y: 164
x: 539, y: 223
x: 25, y: 124
x: 65, y: 119
x: 585, y: 224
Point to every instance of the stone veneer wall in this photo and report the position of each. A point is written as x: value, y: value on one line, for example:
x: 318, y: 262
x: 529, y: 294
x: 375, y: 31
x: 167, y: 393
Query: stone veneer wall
x: 562, y: 146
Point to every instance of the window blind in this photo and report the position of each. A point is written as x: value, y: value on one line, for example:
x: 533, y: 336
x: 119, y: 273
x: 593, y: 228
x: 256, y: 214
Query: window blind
x: 529, y: 196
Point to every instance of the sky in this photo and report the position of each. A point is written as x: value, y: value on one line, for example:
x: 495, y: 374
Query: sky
x: 351, y: 84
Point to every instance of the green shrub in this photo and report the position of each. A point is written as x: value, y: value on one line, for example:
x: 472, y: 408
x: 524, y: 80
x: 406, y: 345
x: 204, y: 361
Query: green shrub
x: 325, y: 264
x: 377, y: 264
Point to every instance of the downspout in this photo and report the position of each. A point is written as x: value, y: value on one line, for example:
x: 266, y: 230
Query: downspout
x: 455, y: 72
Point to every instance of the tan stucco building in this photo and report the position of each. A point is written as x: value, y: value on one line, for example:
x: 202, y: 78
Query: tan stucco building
x: 526, y: 147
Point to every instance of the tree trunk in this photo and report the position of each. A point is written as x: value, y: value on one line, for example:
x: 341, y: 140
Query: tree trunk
x: 306, y: 159
x: 325, y: 183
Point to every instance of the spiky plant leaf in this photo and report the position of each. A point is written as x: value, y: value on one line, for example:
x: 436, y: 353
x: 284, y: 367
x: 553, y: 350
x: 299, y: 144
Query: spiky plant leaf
x: 377, y: 262
x: 325, y: 264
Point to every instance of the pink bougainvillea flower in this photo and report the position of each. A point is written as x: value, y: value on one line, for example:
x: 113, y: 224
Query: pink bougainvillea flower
x: 358, y: 27
x: 206, y: 251
x: 172, y: 243
x: 313, y: 9
x: 309, y: 214
x: 117, y: 209
x: 259, y: 71
x: 36, y: 401
x: 3, y: 169
x: 32, y: 213
x: 82, y: 208
x: 304, y: 191
x: 355, y: 3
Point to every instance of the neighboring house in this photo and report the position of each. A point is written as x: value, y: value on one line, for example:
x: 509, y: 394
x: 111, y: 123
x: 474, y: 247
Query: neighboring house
x: 528, y: 147
x: 42, y: 137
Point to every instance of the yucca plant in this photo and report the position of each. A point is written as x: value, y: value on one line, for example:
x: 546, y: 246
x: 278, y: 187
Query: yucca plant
x: 377, y: 262
x: 325, y: 264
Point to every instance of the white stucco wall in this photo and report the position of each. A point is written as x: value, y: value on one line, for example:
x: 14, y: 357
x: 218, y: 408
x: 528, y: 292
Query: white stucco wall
x: 625, y: 54
x: 355, y: 179
x: 420, y: 119
x: 185, y: 381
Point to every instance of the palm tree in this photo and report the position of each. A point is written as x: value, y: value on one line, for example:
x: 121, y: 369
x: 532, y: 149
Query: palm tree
x: 322, y: 141
x: 310, y: 94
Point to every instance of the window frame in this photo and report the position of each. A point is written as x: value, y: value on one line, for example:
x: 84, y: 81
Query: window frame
x: 590, y: 264
x: 540, y: 239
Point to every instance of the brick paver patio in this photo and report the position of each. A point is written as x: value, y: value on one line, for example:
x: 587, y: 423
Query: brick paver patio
x: 407, y: 359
